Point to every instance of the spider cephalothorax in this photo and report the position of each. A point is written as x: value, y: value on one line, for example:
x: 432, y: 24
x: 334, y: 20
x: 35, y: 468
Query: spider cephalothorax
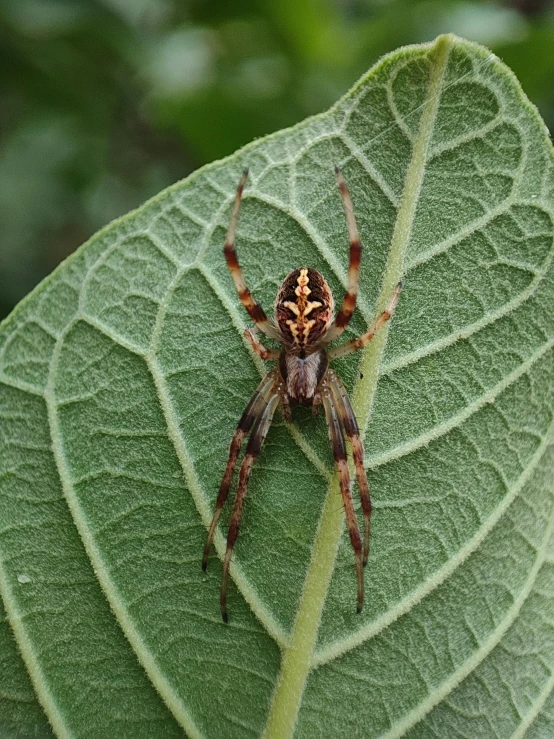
x: 303, y: 326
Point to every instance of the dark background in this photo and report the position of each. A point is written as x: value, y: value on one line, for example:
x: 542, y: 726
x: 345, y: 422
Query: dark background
x: 105, y: 102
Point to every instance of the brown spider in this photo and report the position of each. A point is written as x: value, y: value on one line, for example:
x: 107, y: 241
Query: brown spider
x: 304, y: 327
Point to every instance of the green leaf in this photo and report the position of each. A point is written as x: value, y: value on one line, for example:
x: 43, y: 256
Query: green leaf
x: 20, y: 712
x: 122, y: 378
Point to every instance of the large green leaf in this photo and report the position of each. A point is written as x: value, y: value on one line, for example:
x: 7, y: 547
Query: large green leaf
x: 123, y: 375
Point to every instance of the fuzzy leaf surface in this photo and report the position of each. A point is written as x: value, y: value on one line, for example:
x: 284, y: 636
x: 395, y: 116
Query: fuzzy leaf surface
x: 123, y: 375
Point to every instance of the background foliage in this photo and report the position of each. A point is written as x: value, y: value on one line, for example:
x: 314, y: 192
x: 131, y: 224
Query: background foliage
x: 103, y: 103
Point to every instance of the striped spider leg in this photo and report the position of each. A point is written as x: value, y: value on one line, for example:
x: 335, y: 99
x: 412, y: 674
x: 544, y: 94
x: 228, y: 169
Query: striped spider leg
x: 304, y: 326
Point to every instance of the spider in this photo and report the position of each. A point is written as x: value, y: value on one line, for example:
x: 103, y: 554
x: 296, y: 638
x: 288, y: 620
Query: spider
x: 304, y: 327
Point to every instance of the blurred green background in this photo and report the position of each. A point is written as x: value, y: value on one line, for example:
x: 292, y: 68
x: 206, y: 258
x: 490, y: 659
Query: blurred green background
x: 105, y: 102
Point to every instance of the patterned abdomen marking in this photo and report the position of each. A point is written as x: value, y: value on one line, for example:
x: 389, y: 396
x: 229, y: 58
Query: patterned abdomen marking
x: 304, y: 307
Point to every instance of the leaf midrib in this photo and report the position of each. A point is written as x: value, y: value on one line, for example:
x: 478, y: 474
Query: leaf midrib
x: 297, y: 655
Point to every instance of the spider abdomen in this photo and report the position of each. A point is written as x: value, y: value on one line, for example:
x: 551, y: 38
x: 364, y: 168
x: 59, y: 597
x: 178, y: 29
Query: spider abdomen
x: 303, y: 374
x: 304, y: 307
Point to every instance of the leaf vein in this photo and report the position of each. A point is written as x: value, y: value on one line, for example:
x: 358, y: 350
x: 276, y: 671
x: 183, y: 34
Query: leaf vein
x: 334, y: 649
x: 146, y: 658
x: 456, y: 420
x: 494, y: 639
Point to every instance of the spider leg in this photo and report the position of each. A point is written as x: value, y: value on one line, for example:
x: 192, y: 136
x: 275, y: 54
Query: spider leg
x: 316, y: 403
x: 346, y: 412
x: 285, y: 402
x: 267, y: 355
x: 349, y: 301
x: 355, y: 344
x: 255, y: 310
x: 257, y: 438
x: 339, y: 452
x: 255, y: 406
